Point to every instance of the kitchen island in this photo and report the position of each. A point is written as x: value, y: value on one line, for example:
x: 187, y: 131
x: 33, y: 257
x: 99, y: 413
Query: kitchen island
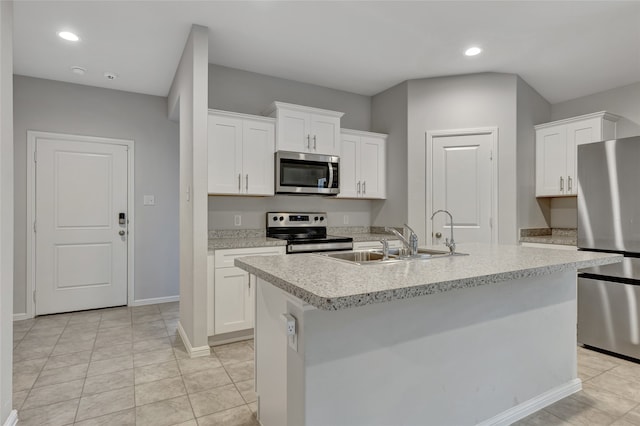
x: 481, y: 339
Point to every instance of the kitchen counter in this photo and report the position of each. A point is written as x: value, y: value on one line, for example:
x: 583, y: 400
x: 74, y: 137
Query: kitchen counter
x: 330, y: 284
x: 244, y: 242
x: 499, y: 349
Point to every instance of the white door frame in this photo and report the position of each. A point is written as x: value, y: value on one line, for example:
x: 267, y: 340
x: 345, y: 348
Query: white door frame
x: 32, y: 137
x: 429, y: 136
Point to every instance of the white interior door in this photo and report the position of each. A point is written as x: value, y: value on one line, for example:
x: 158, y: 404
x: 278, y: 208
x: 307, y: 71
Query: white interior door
x: 80, y: 246
x: 462, y: 179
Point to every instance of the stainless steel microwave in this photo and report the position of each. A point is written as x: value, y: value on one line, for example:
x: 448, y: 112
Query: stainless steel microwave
x: 304, y: 173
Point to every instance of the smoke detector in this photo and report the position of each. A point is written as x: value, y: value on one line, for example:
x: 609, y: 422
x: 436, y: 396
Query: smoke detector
x: 110, y: 75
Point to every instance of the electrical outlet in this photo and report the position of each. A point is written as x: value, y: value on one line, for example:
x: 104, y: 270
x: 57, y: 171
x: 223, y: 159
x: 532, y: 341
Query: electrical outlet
x: 237, y: 220
x: 292, y: 335
x: 345, y: 219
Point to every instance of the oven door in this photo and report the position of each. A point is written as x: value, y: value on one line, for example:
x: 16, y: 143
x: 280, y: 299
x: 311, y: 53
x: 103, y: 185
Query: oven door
x: 302, y: 173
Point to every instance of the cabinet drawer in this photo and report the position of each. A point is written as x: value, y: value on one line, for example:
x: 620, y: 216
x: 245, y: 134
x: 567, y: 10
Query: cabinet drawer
x: 225, y: 258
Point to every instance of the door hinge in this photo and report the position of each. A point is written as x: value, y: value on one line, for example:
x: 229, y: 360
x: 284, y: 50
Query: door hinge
x: 34, y: 296
x: 35, y: 156
x: 490, y: 222
x: 34, y: 226
x: 490, y: 154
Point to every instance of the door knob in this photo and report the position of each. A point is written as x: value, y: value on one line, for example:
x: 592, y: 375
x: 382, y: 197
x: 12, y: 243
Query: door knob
x: 438, y: 234
x: 121, y: 233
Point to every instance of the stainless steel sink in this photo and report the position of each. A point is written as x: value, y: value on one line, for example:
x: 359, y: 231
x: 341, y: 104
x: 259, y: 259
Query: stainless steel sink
x: 364, y: 257
x: 375, y: 257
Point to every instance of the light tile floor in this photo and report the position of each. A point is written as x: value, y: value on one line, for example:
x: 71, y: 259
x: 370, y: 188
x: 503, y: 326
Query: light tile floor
x: 610, y: 395
x: 126, y: 366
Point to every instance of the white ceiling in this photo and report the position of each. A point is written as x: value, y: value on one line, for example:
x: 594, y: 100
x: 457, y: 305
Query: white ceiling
x: 563, y: 49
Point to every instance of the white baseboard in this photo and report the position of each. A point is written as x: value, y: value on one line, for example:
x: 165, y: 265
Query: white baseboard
x: 12, y: 420
x: 193, y: 352
x: 155, y: 300
x: 20, y: 317
x: 521, y: 411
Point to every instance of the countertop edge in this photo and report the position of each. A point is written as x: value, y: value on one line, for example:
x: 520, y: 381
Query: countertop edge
x: 334, y: 304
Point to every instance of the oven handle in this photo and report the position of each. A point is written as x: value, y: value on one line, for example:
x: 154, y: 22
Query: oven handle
x: 330, y: 175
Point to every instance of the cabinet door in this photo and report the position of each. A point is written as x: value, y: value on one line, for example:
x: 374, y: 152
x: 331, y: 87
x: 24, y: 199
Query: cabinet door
x: 579, y: 133
x: 232, y: 300
x: 325, y: 134
x: 551, y: 161
x: 258, y: 160
x: 293, y: 131
x: 225, y: 155
x: 349, y: 166
x: 372, y: 167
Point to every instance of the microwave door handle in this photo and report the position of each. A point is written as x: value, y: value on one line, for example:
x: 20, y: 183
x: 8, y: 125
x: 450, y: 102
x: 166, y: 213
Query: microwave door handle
x: 330, y: 175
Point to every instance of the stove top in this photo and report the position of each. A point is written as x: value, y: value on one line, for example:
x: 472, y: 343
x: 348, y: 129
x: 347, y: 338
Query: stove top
x: 305, y: 232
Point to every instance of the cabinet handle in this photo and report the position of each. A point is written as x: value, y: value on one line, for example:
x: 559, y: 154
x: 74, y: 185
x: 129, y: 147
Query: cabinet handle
x: 569, y: 183
x: 561, y: 183
x: 309, y: 142
x: 364, y: 187
x: 314, y: 142
x: 239, y: 182
x: 246, y: 183
x: 358, y: 186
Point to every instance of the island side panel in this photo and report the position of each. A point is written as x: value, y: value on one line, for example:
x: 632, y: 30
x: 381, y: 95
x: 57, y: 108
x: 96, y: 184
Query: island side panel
x: 455, y: 358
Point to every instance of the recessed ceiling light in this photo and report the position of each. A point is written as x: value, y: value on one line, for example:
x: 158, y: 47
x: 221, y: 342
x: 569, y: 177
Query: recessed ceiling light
x: 473, y: 51
x: 78, y: 70
x: 68, y: 36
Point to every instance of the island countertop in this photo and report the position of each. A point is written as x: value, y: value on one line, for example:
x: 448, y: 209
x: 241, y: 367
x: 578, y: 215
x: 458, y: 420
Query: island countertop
x: 331, y: 284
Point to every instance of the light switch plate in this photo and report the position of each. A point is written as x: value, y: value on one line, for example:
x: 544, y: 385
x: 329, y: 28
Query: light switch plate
x: 149, y: 200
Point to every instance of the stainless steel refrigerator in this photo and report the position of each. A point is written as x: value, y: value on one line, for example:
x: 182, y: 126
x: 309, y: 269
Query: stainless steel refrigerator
x: 609, y: 221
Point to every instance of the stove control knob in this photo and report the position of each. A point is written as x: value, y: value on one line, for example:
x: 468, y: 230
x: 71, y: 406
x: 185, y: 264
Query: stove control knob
x: 275, y: 218
x: 315, y: 218
x: 321, y: 218
x: 281, y: 218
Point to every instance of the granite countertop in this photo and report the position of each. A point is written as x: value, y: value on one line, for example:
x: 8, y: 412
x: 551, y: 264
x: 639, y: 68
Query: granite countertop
x: 560, y: 236
x: 244, y: 242
x: 331, y: 284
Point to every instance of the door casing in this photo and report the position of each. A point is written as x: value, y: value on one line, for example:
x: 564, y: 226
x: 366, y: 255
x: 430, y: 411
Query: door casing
x: 32, y: 137
x: 429, y: 136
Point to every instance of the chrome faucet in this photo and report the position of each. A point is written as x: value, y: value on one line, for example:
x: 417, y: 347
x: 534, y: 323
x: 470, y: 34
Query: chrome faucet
x: 385, y: 249
x: 448, y: 242
x: 411, y: 244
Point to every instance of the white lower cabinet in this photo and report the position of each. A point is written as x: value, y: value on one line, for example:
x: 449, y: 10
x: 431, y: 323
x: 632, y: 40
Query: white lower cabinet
x: 231, y: 290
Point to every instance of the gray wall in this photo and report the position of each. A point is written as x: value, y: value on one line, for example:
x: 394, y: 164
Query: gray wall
x: 623, y: 101
x: 532, y: 109
x: 478, y: 100
x: 251, y: 93
x: 6, y: 209
x: 389, y: 115
x: 51, y: 106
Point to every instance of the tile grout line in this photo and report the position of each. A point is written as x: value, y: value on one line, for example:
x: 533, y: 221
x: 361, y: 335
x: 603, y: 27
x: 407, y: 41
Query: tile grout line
x: 93, y: 348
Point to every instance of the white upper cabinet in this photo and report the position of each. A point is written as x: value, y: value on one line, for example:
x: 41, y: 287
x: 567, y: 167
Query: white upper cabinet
x: 363, y: 165
x: 556, y: 150
x: 305, y: 129
x: 241, y: 149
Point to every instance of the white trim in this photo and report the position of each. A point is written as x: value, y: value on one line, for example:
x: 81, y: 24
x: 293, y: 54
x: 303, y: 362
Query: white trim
x: 271, y: 109
x: 193, y: 352
x: 363, y: 133
x: 32, y: 138
x: 537, y: 403
x: 12, y: 420
x: 429, y: 135
x: 20, y: 317
x: 242, y: 116
x: 155, y: 300
x: 601, y: 114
